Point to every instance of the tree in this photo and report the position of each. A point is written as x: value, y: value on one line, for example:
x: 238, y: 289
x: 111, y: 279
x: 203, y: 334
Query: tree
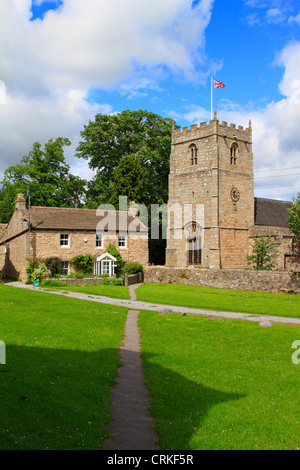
x: 128, y: 179
x: 264, y: 254
x: 295, y: 258
x: 49, y: 177
x: 110, y: 143
x: 108, y: 139
x: 112, y: 250
x: 294, y: 218
x: 294, y: 225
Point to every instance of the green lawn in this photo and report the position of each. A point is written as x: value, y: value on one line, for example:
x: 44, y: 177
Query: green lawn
x: 286, y: 305
x: 62, y: 354
x: 221, y: 384
x: 116, y: 292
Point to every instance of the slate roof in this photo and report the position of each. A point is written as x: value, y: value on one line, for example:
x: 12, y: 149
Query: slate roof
x: 61, y: 218
x: 271, y: 212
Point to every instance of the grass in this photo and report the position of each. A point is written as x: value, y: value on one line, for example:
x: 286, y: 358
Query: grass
x: 221, y: 384
x: 115, y: 292
x: 61, y: 363
x: 285, y: 305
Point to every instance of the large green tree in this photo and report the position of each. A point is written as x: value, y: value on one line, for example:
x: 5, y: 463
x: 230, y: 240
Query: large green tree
x: 108, y: 139
x: 48, y: 176
x: 129, y: 178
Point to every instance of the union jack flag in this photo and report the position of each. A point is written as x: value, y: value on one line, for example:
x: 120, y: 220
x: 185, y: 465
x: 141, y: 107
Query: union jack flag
x: 219, y: 84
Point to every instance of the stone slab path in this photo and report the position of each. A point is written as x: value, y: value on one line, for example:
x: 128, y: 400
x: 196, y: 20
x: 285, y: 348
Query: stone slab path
x: 139, y: 305
x: 132, y: 426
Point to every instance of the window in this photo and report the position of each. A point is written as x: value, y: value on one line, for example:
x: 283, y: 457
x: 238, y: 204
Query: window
x: 122, y: 241
x: 64, y: 239
x: 194, y: 252
x: 99, y: 240
x: 233, y: 154
x: 193, y: 153
x: 105, y: 267
x: 65, y: 267
x: 194, y: 244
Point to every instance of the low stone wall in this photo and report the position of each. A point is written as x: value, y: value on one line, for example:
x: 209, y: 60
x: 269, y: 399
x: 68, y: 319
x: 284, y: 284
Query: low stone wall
x: 265, y: 281
x: 86, y: 280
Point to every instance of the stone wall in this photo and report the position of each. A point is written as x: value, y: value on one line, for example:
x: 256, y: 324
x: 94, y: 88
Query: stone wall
x: 91, y: 281
x: 46, y: 243
x: 265, y: 281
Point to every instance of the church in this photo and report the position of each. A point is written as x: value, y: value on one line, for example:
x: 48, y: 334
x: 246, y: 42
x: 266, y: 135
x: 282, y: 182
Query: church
x: 213, y: 214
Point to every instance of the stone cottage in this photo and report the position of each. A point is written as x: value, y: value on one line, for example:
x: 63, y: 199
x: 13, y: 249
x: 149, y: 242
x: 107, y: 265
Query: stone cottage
x: 44, y: 232
x: 213, y: 215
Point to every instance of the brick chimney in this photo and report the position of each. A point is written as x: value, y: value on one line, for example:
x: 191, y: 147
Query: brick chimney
x: 20, y: 203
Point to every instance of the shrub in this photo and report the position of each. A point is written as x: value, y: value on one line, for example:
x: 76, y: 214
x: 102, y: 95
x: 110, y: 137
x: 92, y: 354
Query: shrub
x: 112, y: 250
x: 52, y: 283
x: 113, y: 282
x: 83, y: 264
x: 40, y: 273
x: 132, y: 268
x: 264, y: 254
x: 33, y: 263
x: 54, y: 264
x: 79, y: 275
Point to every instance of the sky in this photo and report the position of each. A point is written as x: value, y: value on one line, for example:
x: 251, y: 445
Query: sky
x: 64, y: 61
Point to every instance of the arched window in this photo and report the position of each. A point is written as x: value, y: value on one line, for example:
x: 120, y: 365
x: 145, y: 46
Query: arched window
x: 194, y: 243
x: 193, y: 154
x: 233, y: 154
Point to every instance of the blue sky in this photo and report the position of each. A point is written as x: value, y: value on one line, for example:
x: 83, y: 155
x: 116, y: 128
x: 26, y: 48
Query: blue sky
x: 66, y: 60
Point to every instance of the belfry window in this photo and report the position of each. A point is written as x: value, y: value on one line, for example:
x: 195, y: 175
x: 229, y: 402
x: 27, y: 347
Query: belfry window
x: 193, y: 154
x: 233, y: 154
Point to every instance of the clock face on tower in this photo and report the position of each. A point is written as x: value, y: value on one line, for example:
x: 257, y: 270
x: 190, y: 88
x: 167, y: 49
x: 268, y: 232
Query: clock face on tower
x: 235, y: 194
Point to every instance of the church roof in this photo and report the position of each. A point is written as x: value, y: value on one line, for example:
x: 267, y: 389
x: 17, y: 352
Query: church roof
x: 271, y: 212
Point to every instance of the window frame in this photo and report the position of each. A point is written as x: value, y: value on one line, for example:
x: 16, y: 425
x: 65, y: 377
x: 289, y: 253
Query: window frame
x: 61, y: 240
x: 65, y: 269
x: 233, y: 154
x: 125, y: 241
x: 99, y: 240
x: 194, y: 154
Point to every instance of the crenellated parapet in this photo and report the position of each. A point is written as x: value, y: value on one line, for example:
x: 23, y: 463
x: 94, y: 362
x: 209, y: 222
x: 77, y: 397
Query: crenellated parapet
x: 205, y: 129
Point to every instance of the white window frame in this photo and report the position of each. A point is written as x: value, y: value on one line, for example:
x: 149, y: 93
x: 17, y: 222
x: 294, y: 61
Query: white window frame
x: 65, y: 269
x: 99, y: 240
x: 64, y: 245
x: 125, y: 241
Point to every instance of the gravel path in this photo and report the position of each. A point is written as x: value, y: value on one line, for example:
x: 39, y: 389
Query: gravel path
x: 138, y: 305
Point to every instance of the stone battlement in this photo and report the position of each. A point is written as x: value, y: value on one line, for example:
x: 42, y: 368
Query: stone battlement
x: 212, y: 127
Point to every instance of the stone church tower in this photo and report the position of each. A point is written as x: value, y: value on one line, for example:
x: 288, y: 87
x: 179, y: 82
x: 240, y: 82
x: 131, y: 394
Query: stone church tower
x: 211, y: 196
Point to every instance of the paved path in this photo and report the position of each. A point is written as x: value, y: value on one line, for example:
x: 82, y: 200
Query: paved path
x: 138, y: 305
x: 132, y: 427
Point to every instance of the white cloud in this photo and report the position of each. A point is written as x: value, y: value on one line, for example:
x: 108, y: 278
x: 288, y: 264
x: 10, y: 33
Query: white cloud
x: 97, y: 43
x: 294, y: 19
x: 49, y: 65
x: 275, y: 15
x: 276, y: 137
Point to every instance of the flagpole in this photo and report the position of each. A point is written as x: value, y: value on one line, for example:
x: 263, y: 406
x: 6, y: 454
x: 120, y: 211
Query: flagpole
x: 211, y: 109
